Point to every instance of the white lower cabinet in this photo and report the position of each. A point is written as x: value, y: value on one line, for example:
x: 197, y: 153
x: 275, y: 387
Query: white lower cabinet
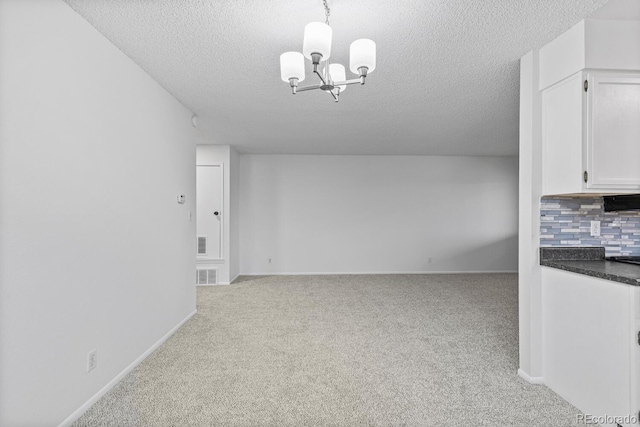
x: 590, y: 338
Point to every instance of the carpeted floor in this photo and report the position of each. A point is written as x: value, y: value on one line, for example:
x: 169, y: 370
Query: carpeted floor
x: 363, y: 350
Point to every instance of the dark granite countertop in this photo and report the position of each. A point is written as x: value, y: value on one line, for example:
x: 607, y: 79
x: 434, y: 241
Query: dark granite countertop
x: 590, y: 262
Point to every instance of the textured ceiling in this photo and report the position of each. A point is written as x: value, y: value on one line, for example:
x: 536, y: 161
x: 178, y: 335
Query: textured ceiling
x: 446, y: 81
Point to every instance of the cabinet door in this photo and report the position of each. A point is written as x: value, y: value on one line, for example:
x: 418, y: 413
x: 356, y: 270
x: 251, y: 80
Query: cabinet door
x: 613, y: 131
x: 634, y: 305
x: 587, y: 342
x: 562, y: 124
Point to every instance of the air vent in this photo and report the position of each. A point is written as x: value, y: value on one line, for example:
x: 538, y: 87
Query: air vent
x: 207, y: 277
x: 212, y: 277
x: 202, y: 245
x: 201, y: 277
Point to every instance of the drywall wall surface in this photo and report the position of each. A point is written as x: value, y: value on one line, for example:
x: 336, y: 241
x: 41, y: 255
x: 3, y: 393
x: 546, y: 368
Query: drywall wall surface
x: 234, y: 216
x: 530, y: 190
x: 375, y: 214
x: 612, y: 44
x: 562, y: 56
x: 212, y: 154
x: 95, y: 251
x: 591, y: 44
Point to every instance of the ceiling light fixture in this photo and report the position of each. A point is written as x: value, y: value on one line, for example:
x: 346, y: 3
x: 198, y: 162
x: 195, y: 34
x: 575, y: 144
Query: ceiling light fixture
x: 317, y: 48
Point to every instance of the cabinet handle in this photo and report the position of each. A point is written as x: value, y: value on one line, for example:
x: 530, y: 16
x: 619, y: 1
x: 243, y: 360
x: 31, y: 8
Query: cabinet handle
x: 586, y: 85
x: 586, y: 176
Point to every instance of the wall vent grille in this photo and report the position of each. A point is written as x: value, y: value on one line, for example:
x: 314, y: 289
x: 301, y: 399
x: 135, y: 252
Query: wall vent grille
x: 207, y: 277
x: 202, y: 245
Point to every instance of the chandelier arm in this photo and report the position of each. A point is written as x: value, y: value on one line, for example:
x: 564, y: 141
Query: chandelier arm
x: 335, y: 98
x: 312, y: 87
x: 359, y: 81
x: 320, y: 75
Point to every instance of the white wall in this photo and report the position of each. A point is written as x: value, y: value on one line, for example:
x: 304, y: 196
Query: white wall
x: 234, y: 217
x: 591, y: 44
x: 530, y: 182
x: 349, y: 214
x: 94, y: 250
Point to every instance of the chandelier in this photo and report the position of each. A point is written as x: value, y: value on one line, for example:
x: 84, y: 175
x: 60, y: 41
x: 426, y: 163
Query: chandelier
x: 317, y: 48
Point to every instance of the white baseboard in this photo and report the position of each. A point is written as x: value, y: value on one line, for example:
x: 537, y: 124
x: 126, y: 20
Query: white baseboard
x: 85, y: 406
x: 337, y: 273
x: 530, y: 379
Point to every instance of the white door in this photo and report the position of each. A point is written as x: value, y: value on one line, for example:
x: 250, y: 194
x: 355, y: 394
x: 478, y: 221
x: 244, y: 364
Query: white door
x: 209, y: 211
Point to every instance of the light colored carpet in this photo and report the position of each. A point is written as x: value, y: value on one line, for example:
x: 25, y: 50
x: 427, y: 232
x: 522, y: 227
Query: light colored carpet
x: 363, y: 350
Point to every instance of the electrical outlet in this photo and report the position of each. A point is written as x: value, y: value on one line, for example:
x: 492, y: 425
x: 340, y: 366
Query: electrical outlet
x: 429, y: 260
x: 595, y: 228
x: 269, y: 260
x: 92, y: 360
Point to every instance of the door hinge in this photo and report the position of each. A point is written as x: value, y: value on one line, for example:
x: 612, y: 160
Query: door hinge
x: 585, y: 176
x: 638, y: 338
x: 586, y: 85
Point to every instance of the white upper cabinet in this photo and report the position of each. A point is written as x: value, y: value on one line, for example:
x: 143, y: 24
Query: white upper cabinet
x: 590, y: 91
x: 591, y: 134
x: 613, y: 131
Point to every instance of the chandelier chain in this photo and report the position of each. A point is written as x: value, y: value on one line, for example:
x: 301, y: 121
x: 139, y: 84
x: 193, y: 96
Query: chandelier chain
x: 327, y: 11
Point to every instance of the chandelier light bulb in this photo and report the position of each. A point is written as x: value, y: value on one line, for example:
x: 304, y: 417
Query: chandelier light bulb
x: 291, y: 66
x: 338, y: 74
x: 317, y: 39
x: 362, y: 53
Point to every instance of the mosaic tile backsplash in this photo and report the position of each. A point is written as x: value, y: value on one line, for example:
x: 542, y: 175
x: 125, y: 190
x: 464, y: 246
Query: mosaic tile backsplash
x: 567, y: 222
